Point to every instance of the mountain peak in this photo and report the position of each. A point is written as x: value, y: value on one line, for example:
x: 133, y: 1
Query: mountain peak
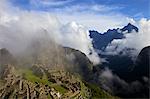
x: 129, y: 24
x: 129, y: 28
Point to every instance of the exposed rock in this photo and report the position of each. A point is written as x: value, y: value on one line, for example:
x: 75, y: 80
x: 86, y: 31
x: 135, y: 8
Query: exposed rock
x: 37, y: 79
x: 17, y: 86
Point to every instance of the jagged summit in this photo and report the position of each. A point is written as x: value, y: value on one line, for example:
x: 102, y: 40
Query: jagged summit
x: 101, y: 40
x: 129, y: 28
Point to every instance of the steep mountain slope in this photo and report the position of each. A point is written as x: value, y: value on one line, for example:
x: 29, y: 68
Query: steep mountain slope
x: 32, y: 79
x: 126, y: 82
x: 121, y: 63
x: 81, y: 64
x: 142, y: 64
x: 132, y: 74
x: 6, y: 57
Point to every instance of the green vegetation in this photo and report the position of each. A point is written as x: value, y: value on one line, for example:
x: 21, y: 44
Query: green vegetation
x: 28, y: 74
x: 97, y: 92
x: 2, y: 83
x: 49, y: 97
x: 49, y: 80
x: 83, y: 89
x: 60, y: 89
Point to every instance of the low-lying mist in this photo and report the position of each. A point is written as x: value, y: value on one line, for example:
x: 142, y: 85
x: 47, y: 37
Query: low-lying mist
x: 19, y: 30
x: 45, y: 53
x: 134, y: 40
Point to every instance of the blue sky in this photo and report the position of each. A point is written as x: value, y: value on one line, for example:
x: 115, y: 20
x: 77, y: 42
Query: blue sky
x: 132, y: 8
x: 72, y: 19
x: 98, y: 15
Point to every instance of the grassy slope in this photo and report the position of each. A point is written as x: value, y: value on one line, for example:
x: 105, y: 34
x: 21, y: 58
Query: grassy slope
x: 28, y: 74
x: 96, y: 91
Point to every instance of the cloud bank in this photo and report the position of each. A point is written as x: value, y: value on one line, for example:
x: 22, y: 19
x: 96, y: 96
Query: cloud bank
x: 90, y: 14
x: 133, y: 40
x: 18, y: 30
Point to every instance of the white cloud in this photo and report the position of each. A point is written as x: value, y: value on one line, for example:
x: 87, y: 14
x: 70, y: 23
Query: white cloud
x: 33, y: 21
x: 99, y: 22
x: 46, y: 3
x: 92, y: 16
x: 117, y: 86
x: 76, y: 36
x: 111, y: 82
x: 18, y: 31
x: 92, y: 8
x: 133, y: 40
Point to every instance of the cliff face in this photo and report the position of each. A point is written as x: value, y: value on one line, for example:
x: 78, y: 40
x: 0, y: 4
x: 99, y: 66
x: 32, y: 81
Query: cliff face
x: 142, y: 63
x: 6, y: 57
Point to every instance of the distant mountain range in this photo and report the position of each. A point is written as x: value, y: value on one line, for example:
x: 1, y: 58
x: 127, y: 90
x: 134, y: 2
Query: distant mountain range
x: 122, y: 65
x: 101, y: 40
x: 52, y: 71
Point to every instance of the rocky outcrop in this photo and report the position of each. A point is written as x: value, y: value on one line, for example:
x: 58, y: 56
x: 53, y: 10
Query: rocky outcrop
x: 19, y: 86
x: 142, y: 64
x: 6, y: 57
x: 39, y: 77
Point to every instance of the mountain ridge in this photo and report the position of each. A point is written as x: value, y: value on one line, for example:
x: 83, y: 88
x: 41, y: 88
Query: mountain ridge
x: 109, y: 36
